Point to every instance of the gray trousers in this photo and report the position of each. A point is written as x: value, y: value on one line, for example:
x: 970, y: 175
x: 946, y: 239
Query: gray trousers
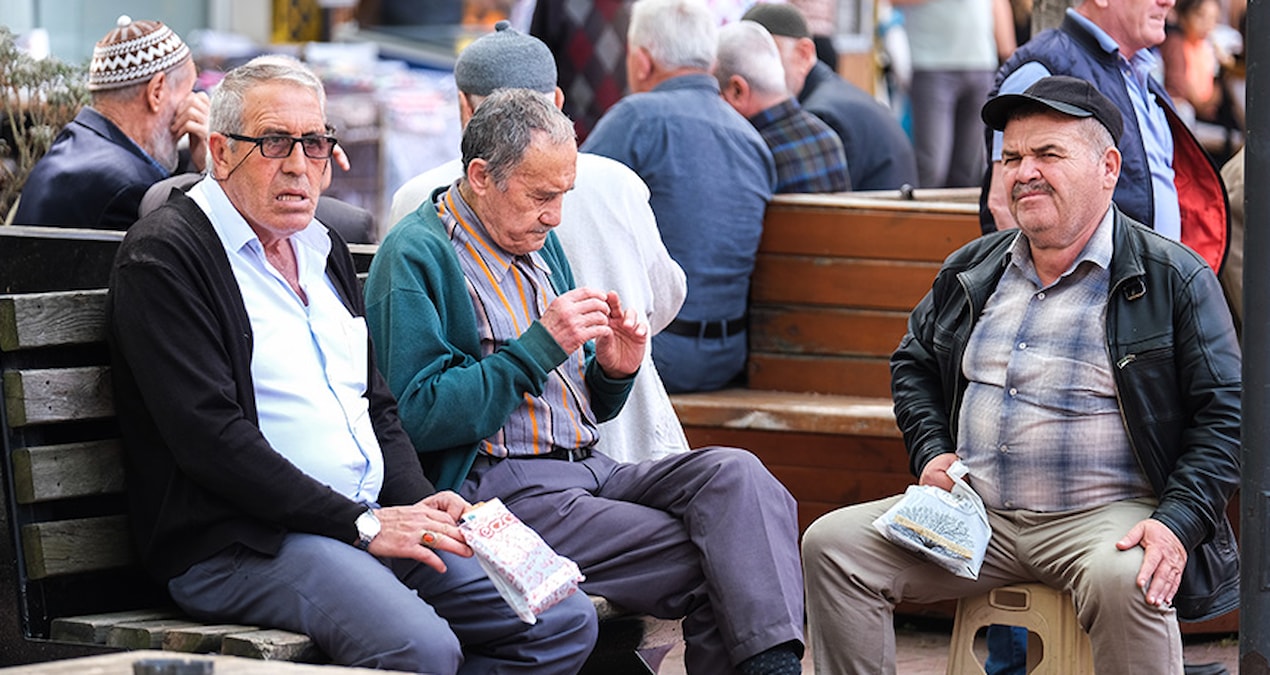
x: 707, y: 535
x: 398, y: 615
x: 947, y: 129
x: 855, y: 577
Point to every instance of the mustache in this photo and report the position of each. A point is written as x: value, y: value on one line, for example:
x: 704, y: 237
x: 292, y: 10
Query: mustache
x: 1038, y: 186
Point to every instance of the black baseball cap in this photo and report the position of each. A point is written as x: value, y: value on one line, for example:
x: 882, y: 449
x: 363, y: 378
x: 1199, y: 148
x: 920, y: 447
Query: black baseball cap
x: 1068, y: 95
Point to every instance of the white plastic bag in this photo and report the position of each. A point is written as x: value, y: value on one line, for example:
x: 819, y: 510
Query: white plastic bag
x: 948, y: 528
x: 529, y: 575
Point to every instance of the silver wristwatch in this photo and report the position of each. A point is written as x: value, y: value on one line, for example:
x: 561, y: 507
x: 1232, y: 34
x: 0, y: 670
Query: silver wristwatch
x: 367, y: 529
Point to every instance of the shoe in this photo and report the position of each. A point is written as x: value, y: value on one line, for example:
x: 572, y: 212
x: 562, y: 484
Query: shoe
x: 1205, y: 669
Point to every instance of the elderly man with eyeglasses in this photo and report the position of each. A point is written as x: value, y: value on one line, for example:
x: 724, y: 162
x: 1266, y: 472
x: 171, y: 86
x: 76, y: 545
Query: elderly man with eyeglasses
x: 270, y: 480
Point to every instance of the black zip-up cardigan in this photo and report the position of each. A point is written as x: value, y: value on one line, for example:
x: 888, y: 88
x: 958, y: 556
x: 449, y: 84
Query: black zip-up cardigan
x: 201, y: 476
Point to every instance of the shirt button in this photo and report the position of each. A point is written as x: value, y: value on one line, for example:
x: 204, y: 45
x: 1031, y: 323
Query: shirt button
x: 1004, y: 449
x: 1014, y: 392
x: 1022, y: 345
x: 1009, y: 505
x: 1040, y: 296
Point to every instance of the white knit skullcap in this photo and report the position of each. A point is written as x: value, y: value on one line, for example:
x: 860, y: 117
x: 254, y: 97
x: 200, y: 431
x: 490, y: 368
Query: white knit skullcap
x: 133, y: 52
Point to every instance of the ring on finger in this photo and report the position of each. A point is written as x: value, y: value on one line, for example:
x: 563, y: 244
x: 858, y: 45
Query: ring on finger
x: 428, y: 539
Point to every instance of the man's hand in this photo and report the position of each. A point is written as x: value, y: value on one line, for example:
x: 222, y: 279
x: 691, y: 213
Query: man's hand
x: 1162, y: 566
x: 191, y: 120
x: 621, y: 352
x: 402, y: 530
x: 341, y: 158
x: 936, y: 471
x: 577, y: 317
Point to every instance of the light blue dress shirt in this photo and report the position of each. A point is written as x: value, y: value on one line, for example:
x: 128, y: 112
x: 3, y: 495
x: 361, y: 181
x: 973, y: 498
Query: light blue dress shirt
x: 309, y: 361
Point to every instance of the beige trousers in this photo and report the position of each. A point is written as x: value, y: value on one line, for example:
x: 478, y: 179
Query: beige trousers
x: 854, y: 578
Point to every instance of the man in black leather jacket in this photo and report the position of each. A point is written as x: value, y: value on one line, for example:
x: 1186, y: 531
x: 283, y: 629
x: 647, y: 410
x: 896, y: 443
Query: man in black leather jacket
x: 1086, y: 371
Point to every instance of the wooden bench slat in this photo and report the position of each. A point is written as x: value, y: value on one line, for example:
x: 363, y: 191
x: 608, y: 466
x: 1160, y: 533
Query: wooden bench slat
x: 47, y: 319
x: 868, y: 232
x: 93, y: 629
x: 840, y: 282
x: 272, y: 645
x: 73, y: 546
x: 787, y: 411
x: 202, y: 638
x: 52, y: 472
x: 144, y: 634
x: 804, y: 329
x: 48, y: 395
x: 843, y: 375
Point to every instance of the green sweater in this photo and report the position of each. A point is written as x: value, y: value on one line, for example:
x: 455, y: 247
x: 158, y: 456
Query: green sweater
x: 424, y: 329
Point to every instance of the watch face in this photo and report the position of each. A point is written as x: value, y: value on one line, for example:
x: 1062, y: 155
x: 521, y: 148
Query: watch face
x: 367, y: 528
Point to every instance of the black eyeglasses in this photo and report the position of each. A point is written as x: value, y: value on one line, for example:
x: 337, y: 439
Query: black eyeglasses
x: 277, y: 146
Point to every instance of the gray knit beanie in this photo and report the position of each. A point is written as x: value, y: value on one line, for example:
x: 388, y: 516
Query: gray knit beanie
x: 779, y: 19
x: 505, y: 59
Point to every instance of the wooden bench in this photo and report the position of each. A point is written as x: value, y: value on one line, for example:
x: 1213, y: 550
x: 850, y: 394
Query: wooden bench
x: 69, y: 567
x: 835, y: 278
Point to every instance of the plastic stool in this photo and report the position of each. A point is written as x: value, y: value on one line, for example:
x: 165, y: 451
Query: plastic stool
x: 1042, y: 610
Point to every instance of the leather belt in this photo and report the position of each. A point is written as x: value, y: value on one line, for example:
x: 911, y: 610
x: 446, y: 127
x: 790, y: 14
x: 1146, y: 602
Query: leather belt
x: 708, y: 329
x: 567, y: 454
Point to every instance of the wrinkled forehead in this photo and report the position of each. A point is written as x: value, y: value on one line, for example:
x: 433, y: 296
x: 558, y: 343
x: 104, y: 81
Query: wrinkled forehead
x: 282, y: 107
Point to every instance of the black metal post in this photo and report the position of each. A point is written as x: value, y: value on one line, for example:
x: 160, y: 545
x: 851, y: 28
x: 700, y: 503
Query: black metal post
x: 1254, y: 500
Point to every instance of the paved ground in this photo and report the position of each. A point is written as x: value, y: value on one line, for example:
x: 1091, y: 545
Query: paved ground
x: 923, y: 650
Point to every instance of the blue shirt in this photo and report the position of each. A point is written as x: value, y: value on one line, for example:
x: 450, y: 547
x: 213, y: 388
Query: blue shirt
x: 710, y: 175
x: 308, y: 361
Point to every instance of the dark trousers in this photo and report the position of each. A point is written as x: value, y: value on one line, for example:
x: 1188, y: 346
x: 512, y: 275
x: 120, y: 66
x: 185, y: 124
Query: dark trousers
x: 707, y: 535
x: 397, y: 616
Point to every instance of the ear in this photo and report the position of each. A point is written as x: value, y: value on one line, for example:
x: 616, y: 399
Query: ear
x: 639, y: 65
x: 559, y: 98
x: 735, y: 91
x: 156, y: 89
x: 478, y: 178
x: 218, y: 149
x: 1111, y: 161
x: 805, y: 51
x: 466, y: 109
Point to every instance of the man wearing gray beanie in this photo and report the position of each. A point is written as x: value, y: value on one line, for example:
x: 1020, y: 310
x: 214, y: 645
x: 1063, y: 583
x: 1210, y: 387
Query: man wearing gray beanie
x: 607, y: 230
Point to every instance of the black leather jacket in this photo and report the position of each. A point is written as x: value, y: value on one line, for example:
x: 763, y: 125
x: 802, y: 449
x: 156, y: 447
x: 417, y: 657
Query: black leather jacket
x: 1177, y: 372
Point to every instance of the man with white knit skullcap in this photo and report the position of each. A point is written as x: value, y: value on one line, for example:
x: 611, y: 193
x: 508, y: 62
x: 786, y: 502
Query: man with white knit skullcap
x: 143, y: 105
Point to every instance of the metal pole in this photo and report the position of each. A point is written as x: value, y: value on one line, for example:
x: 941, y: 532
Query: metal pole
x: 1254, y: 500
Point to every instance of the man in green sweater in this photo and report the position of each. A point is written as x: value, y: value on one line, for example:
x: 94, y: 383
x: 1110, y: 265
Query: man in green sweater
x: 502, y: 370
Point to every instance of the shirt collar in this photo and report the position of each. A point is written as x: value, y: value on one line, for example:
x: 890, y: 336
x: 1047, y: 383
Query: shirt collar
x: 463, y: 225
x: 1144, y: 60
x: 233, y: 230
x: 1097, y: 250
x: 780, y: 111
x: 689, y: 81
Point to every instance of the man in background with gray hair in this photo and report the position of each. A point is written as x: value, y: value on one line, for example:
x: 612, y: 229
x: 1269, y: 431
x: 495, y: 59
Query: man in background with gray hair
x: 808, y: 154
x: 710, y: 174
x: 607, y: 230
x: 95, y: 174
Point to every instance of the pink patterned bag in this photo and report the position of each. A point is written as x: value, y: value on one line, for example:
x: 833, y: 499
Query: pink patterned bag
x: 527, y: 573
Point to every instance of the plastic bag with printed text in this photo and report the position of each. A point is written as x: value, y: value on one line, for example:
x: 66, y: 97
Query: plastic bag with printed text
x: 529, y: 575
x: 949, y: 528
